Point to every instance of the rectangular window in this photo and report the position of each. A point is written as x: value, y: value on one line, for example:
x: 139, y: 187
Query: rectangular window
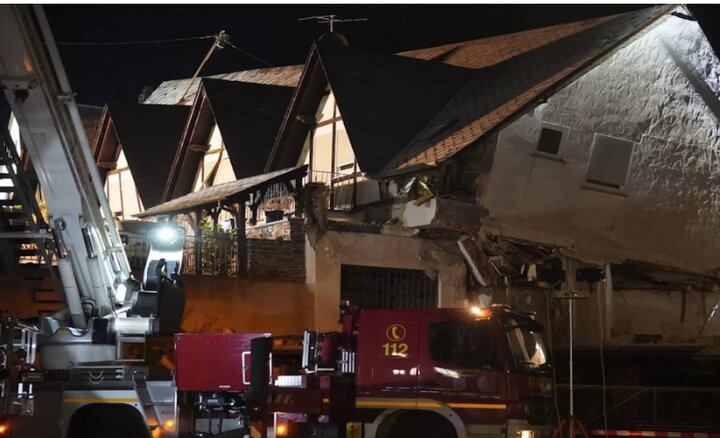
x: 387, y: 288
x: 609, y: 162
x: 462, y: 343
x: 551, y: 139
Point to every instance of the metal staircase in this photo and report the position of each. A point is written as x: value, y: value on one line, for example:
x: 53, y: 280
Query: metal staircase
x: 25, y: 243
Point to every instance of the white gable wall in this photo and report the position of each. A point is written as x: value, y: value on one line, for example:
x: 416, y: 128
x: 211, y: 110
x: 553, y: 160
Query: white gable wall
x: 669, y: 210
x: 121, y: 191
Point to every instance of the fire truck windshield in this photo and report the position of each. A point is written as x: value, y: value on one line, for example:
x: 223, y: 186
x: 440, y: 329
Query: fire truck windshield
x: 526, y: 345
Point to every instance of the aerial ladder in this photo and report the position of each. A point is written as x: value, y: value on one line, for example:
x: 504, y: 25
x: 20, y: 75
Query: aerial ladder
x: 106, y: 306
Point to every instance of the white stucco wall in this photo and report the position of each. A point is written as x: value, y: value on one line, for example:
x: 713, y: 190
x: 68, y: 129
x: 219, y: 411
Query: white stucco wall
x: 669, y: 211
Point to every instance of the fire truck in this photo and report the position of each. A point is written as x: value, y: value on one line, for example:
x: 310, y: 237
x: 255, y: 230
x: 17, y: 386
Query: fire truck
x: 388, y: 373
x: 67, y: 374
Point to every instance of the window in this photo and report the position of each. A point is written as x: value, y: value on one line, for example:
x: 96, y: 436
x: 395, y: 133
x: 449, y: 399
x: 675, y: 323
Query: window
x: 461, y: 343
x: 551, y: 139
x: 387, y: 288
x: 526, y: 346
x: 609, y: 162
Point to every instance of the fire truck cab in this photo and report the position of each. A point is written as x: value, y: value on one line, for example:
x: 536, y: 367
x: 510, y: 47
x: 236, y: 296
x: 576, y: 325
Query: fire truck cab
x: 417, y: 372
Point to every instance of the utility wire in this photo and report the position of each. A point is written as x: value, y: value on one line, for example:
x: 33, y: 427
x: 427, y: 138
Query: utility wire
x: 129, y: 43
x: 260, y: 60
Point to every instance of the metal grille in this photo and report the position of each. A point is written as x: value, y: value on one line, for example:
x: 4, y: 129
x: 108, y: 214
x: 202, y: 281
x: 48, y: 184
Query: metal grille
x: 387, y: 288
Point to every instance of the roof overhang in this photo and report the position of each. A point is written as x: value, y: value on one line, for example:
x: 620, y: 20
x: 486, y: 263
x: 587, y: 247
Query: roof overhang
x: 223, y: 194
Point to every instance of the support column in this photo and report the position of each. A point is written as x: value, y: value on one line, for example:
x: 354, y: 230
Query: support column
x: 198, y: 242
x: 242, y: 250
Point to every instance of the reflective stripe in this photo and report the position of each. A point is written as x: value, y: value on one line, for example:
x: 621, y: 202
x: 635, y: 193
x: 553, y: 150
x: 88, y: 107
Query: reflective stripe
x: 498, y: 406
x: 396, y: 403
x: 101, y: 400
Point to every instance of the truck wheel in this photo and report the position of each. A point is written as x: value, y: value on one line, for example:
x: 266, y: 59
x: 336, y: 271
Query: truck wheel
x: 421, y: 424
x: 107, y: 421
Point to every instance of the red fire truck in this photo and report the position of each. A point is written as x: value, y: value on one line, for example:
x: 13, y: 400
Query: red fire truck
x: 392, y: 373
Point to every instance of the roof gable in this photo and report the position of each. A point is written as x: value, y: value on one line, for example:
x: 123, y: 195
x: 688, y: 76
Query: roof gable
x: 248, y: 116
x: 172, y: 92
x: 402, y: 114
x: 498, y: 92
x: 149, y: 137
x: 385, y: 99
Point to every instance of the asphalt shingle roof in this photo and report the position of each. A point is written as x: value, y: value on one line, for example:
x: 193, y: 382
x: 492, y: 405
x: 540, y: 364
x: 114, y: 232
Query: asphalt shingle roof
x: 248, y: 116
x: 170, y: 92
x: 149, y: 136
x: 385, y: 99
x: 402, y: 112
x: 495, y: 93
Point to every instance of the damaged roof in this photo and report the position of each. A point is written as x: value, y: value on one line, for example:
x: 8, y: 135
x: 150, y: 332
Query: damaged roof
x: 230, y: 192
x: 171, y: 92
x: 401, y: 112
x: 149, y: 137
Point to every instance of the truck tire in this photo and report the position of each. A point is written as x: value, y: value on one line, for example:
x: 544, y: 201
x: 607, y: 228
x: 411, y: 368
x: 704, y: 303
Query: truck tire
x: 107, y: 421
x: 421, y: 424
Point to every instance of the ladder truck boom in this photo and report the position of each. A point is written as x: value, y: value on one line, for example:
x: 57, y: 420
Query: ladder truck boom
x: 90, y: 254
x: 82, y: 361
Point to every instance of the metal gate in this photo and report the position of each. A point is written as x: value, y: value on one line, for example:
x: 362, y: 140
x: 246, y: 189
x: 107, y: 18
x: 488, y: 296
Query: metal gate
x: 387, y: 288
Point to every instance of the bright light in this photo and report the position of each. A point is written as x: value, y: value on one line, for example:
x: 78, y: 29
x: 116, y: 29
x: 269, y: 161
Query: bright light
x: 525, y: 434
x: 169, y: 425
x: 480, y: 313
x: 3, y: 429
x: 166, y: 233
x: 281, y: 430
x: 120, y: 292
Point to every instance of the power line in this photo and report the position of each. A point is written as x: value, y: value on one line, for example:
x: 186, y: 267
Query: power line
x: 127, y: 43
x: 249, y: 54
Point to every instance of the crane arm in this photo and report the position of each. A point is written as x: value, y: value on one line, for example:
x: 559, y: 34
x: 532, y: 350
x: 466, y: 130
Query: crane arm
x: 90, y: 253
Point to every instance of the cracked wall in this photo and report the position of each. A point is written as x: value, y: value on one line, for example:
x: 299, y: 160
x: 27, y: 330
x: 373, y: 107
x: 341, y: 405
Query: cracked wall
x: 660, y: 92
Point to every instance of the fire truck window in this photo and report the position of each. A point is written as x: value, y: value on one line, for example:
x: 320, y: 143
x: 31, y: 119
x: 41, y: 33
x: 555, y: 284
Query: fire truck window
x: 526, y: 346
x: 461, y: 343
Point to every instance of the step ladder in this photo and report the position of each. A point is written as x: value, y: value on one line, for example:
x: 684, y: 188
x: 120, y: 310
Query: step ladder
x: 28, y: 259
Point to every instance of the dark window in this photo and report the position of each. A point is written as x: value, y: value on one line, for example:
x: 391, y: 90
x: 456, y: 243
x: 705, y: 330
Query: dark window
x: 461, y: 343
x: 609, y: 162
x: 387, y: 288
x: 549, y: 142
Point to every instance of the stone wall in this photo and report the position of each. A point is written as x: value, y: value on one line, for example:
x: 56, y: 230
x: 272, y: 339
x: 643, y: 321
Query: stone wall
x: 660, y: 92
x: 282, y: 257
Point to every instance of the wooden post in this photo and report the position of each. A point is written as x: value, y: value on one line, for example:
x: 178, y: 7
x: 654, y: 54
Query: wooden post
x: 298, y: 197
x: 198, y: 242
x: 242, y: 251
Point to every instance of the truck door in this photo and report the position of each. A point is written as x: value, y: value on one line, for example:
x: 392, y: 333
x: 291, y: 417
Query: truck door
x: 459, y: 366
x: 388, y: 346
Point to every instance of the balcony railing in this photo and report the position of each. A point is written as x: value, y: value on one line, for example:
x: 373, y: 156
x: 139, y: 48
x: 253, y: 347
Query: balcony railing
x: 341, y: 188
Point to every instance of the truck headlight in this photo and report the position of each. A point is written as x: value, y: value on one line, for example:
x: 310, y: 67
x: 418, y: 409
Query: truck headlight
x: 525, y: 434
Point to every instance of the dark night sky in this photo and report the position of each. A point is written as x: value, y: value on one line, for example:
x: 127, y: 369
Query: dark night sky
x: 102, y: 74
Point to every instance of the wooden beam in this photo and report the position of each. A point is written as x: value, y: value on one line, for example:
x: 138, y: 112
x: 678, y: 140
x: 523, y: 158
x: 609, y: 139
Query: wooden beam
x: 242, y: 252
x: 110, y: 165
x: 298, y: 197
x: 198, y: 242
x: 199, y: 147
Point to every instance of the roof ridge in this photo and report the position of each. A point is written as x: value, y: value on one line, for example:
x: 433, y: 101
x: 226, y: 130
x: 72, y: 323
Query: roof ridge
x: 458, y: 44
x: 396, y: 160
